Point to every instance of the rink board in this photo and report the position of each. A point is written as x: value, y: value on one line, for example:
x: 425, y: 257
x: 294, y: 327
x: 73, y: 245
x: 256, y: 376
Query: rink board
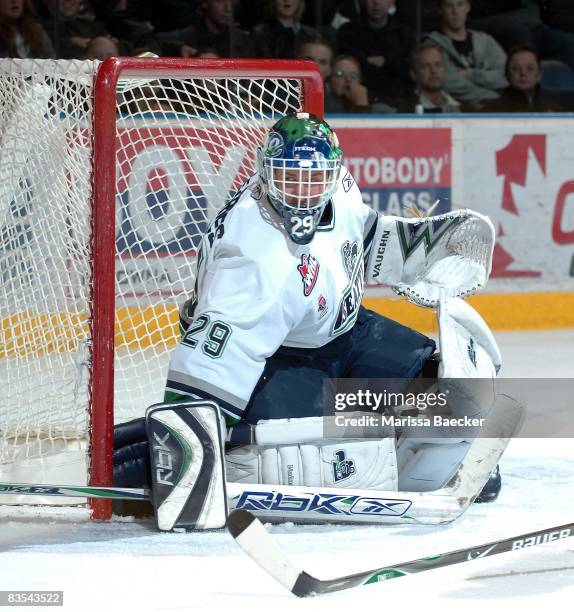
x: 509, y: 311
x: 155, y: 326
x: 516, y: 169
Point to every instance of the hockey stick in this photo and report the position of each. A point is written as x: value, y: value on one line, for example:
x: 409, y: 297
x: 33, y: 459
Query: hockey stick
x: 51, y: 490
x: 299, y: 504
x: 253, y: 538
x: 330, y: 504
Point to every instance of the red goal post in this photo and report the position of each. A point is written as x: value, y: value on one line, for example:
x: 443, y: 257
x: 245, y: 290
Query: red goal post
x: 110, y: 173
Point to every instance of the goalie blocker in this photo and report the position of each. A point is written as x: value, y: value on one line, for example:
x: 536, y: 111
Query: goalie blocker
x: 186, y: 464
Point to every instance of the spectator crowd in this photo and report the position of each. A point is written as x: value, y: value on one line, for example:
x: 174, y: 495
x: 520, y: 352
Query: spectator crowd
x: 375, y: 56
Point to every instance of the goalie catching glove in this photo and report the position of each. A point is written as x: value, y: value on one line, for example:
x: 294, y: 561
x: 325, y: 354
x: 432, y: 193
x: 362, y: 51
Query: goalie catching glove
x: 427, y: 259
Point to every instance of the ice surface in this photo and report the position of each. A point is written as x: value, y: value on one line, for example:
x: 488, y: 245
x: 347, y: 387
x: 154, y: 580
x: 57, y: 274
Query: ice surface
x: 125, y: 565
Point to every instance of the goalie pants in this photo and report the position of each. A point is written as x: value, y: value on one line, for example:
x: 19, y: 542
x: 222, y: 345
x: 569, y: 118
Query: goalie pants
x: 291, y: 385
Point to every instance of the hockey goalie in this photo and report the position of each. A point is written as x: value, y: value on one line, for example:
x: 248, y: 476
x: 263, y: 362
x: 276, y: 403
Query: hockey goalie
x: 276, y: 311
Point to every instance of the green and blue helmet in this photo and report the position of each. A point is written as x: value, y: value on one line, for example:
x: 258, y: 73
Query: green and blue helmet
x: 299, y: 163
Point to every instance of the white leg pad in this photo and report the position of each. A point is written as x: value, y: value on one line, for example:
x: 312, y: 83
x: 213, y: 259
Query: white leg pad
x: 429, y: 466
x: 349, y: 464
x: 468, y: 348
x: 285, y: 459
x: 470, y: 359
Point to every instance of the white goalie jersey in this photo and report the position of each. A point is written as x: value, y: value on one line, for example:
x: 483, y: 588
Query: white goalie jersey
x: 257, y: 290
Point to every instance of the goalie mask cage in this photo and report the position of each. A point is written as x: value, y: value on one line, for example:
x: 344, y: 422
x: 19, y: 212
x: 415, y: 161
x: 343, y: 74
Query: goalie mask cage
x: 109, y: 175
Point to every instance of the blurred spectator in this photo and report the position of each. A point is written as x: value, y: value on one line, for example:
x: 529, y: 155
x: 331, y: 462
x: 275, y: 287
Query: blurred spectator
x: 510, y: 22
x: 324, y: 16
x: 210, y: 90
x: 348, y: 8
x: 521, y: 23
x: 101, y: 47
x: 554, y: 37
x: 214, y: 28
x: 319, y: 51
x: 524, y: 94
x: 151, y: 97
x: 207, y: 53
x: 558, y: 81
x: 76, y: 28
x: 475, y: 62
x: 407, y: 13
x: 559, y: 14
x: 129, y: 21
x: 347, y: 87
x: 382, y: 45
x: 262, y: 98
x: 248, y: 14
x: 428, y: 71
x: 282, y: 31
x: 169, y: 15
x: 21, y: 34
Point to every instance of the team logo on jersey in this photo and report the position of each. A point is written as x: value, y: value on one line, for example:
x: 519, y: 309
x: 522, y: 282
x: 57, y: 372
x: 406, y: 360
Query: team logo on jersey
x: 352, y: 253
x: 348, y: 182
x: 472, y: 352
x: 309, y: 271
x: 257, y: 191
x: 322, y: 306
x: 343, y: 468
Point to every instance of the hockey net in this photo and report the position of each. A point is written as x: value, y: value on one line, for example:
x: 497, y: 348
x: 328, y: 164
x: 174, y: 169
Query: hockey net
x: 109, y: 175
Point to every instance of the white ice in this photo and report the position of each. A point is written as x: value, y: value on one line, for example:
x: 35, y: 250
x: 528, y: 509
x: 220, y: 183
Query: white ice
x: 125, y: 565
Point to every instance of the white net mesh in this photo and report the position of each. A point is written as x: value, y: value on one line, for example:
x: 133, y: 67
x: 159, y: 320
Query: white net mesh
x: 181, y: 145
x: 45, y: 155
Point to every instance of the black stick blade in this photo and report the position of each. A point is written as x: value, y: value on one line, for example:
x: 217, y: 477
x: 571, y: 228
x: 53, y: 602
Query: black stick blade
x: 238, y: 521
